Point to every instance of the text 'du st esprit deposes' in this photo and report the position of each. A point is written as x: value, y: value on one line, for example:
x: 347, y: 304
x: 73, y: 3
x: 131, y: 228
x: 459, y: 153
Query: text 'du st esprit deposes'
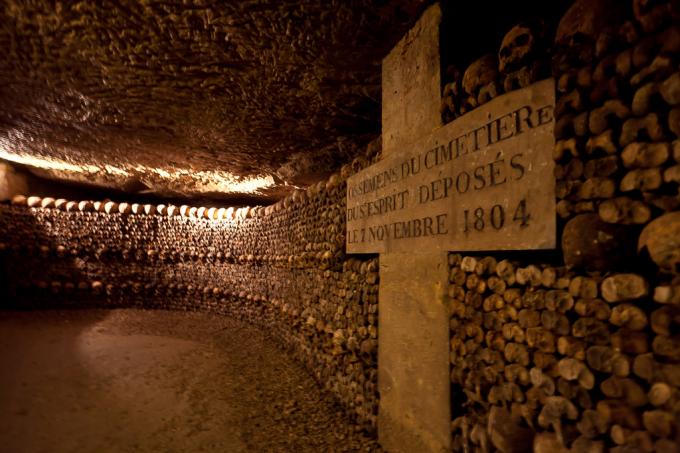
x: 483, y: 182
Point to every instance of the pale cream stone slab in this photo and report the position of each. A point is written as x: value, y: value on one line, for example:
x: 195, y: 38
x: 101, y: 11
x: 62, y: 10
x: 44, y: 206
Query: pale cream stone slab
x: 413, y: 364
x: 410, y: 80
x: 483, y: 182
x: 413, y: 348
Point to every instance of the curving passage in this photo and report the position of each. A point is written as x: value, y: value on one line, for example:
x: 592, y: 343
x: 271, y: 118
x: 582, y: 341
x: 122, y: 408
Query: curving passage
x: 282, y: 268
x: 146, y: 381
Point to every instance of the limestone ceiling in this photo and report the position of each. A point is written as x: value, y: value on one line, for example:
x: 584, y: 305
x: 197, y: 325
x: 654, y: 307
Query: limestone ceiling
x: 192, y: 97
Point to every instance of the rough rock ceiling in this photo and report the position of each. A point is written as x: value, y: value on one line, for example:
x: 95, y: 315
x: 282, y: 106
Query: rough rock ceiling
x: 192, y: 97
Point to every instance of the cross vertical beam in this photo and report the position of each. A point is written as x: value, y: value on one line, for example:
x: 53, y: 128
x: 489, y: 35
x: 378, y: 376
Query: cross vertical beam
x: 411, y: 84
x: 413, y: 361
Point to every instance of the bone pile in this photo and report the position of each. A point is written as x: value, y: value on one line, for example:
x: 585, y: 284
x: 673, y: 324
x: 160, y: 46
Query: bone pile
x: 522, y: 59
x: 580, y: 360
x: 281, y: 267
x: 581, y: 353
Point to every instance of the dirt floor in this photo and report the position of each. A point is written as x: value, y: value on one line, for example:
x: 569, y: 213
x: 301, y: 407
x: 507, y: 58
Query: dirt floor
x: 157, y: 381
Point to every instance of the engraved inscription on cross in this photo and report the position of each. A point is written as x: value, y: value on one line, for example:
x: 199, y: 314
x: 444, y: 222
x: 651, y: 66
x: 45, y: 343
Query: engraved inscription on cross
x: 482, y: 182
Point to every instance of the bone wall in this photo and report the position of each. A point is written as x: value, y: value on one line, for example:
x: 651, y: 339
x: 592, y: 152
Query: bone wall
x: 578, y: 350
x: 575, y: 350
x: 280, y: 267
x: 579, y: 359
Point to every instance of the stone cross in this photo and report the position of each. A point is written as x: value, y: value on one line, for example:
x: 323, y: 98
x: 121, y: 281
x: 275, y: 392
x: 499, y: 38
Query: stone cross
x: 413, y: 340
x: 483, y: 182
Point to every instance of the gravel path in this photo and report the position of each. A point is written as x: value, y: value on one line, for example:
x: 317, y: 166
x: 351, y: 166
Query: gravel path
x: 157, y: 381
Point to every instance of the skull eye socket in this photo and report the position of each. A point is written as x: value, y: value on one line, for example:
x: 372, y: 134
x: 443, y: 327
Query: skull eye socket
x: 579, y: 39
x: 522, y: 40
x: 505, y: 52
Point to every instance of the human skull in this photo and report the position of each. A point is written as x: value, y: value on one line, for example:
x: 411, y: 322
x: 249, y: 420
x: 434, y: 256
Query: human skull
x: 661, y: 239
x: 55, y: 287
x: 480, y: 73
x: 61, y: 251
x: 139, y: 255
x: 652, y: 14
x: 449, y: 105
x: 346, y: 171
x: 579, y: 29
x: 326, y: 259
x: 333, y: 183
x: 519, y: 46
x: 69, y: 287
x: 97, y: 287
x: 359, y: 163
x: 338, y: 341
x: 451, y: 95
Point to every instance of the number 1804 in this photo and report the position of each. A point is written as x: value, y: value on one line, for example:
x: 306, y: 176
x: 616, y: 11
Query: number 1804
x: 479, y: 219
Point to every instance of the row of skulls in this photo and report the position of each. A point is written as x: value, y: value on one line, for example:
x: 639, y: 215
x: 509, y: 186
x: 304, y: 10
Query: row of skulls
x: 112, y: 207
x: 96, y: 287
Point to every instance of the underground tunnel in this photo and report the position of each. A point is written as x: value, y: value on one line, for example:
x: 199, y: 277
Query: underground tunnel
x: 403, y: 226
